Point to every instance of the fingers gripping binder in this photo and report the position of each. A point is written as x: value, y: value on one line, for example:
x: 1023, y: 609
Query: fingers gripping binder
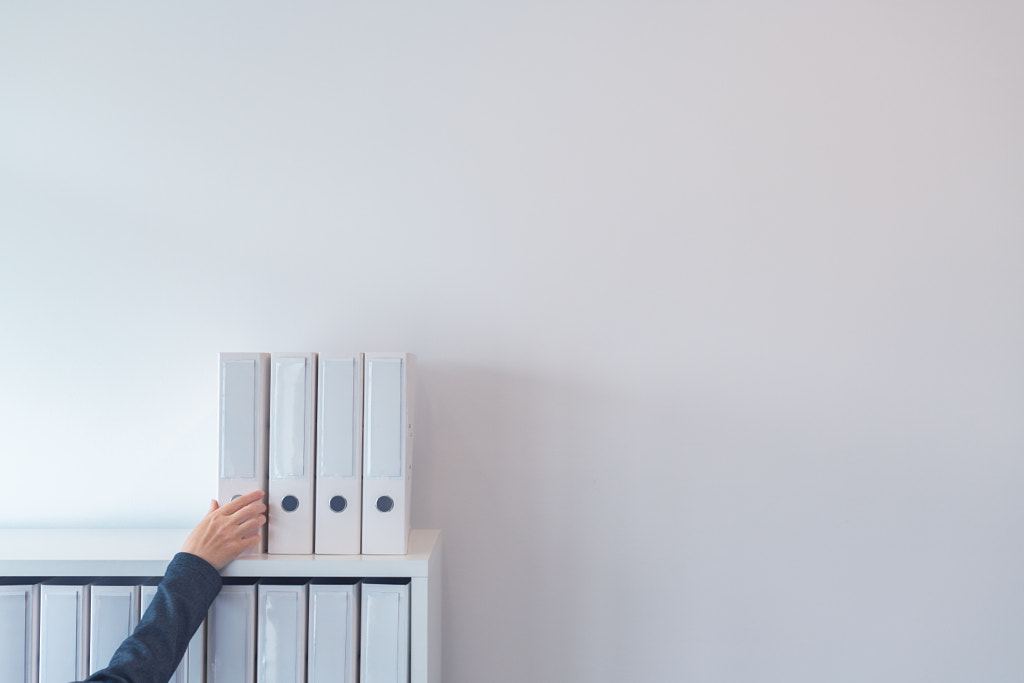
x: 387, y: 452
x: 339, y: 455
x: 292, y: 421
x: 244, y: 427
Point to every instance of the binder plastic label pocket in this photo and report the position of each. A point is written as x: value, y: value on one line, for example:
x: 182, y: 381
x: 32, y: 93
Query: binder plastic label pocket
x: 384, y: 418
x: 288, y: 413
x: 238, y: 419
x: 338, y: 445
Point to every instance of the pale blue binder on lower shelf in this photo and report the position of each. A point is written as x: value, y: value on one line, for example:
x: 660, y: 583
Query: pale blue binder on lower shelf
x: 231, y: 634
x: 19, y: 630
x: 384, y: 632
x: 281, y: 648
x: 113, y: 615
x: 333, y: 638
x: 63, y: 630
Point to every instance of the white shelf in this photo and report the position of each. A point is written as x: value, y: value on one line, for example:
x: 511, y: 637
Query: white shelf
x: 146, y: 552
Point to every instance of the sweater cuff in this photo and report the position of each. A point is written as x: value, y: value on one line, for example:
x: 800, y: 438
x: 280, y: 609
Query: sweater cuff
x: 194, y: 571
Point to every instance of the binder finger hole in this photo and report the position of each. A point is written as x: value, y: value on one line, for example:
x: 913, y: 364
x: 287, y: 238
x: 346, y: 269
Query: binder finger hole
x: 290, y: 503
x: 338, y: 503
x: 385, y: 504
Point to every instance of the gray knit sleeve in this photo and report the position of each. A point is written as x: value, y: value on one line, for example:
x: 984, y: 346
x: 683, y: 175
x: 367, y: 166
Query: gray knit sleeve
x: 153, y: 651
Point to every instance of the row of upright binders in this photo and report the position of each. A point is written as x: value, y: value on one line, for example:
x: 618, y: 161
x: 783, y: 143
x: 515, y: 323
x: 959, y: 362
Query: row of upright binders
x: 333, y: 434
x: 266, y: 631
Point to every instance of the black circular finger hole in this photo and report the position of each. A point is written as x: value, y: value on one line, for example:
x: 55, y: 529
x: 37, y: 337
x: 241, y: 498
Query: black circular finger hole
x: 338, y: 503
x: 385, y: 504
x: 290, y: 503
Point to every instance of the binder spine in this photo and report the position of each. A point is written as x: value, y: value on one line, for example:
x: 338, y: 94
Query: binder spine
x: 333, y: 649
x: 339, y: 455
x: 388, y: 452
x: 63, y: 632
x: 292, y: 453
x: 384, y: 641
x: 244, y: 428
x: 113, y: 615
x: 193, y: 665
x: 231, y: 634
x: 281, y: 652
x: 19, y: 624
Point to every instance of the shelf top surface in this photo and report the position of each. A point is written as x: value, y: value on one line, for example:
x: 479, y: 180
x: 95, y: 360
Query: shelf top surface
x: 124, y: 552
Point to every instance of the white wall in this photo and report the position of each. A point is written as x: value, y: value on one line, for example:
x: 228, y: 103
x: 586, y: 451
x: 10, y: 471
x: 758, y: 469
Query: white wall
x: 718, y: 305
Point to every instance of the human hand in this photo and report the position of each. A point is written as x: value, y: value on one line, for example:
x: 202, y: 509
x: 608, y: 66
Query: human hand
x: 226, y: 532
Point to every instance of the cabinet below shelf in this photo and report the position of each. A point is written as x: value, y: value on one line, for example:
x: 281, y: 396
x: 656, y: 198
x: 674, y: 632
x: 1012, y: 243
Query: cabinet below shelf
x: 146, y: 552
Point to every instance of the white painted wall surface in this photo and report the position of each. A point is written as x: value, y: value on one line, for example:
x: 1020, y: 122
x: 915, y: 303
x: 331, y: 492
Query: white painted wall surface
x: 717, y: 305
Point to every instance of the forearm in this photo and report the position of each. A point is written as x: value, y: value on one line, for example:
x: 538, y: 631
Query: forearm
x: 153, y: 651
